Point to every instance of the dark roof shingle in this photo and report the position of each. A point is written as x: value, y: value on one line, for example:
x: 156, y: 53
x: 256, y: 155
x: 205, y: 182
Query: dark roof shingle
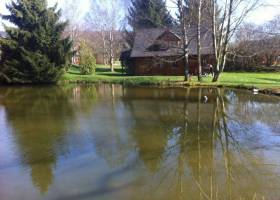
x: 146, y: 37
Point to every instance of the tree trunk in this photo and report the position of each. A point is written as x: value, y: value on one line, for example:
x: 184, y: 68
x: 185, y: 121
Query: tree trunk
x: 103, y: 36
x: 199, y: 41
x: 214, y: 28
x: 219, y: 67
x: 223, y: 41
x: 216, y: 77
x: 214, y: 39
x: 186, y: 67
x: 111, y: 65
x: 183, y: 26
x: 111, y: 51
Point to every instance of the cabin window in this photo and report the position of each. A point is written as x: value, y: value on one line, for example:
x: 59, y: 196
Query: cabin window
x: 158, y: 47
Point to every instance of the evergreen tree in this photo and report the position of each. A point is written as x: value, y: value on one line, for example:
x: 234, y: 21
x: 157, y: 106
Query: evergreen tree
x: 34, y: 50
x: 149, y: 14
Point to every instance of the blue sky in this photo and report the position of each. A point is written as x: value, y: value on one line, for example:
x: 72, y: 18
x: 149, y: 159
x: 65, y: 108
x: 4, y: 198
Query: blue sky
x: 259, y: 16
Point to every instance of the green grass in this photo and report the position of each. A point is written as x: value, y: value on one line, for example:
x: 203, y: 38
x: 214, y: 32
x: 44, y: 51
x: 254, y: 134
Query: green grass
x: 248, y: 79
x: 242, y: 79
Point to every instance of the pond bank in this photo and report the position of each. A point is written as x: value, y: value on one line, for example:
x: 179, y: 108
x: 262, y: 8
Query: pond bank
x: 271, y: 92
x: 267, y: 83
x: 155, y: 83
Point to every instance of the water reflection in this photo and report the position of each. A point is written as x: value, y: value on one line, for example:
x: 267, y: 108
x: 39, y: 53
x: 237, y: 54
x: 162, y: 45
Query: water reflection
x: 193, y: 145
x: 40, y: 121
x: 145, y: 143
x: 38, y: 118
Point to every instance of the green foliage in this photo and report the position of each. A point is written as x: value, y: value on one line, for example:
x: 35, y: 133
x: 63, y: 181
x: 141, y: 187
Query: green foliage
x: 149, y: 14
x: 34, y: 51
x: 126, y: 62
x: 87, y: 59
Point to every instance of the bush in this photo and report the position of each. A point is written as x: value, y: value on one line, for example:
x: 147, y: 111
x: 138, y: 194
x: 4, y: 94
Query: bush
x: 87, y: 59
x: 126, y: 62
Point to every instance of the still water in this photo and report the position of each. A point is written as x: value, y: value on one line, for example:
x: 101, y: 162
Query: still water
x: 109, y: 142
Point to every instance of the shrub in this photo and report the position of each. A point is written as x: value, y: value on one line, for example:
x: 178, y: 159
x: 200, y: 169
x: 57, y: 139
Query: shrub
x: 126, y: 62
x: 87, y: 59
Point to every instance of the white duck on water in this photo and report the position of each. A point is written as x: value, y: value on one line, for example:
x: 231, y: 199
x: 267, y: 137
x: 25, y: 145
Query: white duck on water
x: 255, y: 90
x: 205, y: 98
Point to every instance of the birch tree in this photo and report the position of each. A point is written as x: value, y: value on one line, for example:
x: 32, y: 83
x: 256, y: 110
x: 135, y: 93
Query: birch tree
x: 227, y: 16
x: 105, y: 17
x: 195, y: 18
x: 199, y: 8
x: 189, y: 14
x: 182, y: 7
x: 72, y: 13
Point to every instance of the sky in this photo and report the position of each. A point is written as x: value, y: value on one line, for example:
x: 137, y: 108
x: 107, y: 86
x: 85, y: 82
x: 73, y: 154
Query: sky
x: 82, y: 7
x: 259, y: 16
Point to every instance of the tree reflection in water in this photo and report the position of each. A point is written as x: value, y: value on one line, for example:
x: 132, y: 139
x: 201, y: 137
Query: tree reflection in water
x: 184, y: 143
x: 41, y: 118
x: 28, y: 111
x: 187, y: 142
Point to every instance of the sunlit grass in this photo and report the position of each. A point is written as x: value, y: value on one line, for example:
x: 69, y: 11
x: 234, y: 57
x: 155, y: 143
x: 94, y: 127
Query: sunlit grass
x: 242, y: 79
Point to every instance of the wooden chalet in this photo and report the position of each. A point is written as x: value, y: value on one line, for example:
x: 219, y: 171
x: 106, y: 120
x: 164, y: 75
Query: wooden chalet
x: 158, y: 51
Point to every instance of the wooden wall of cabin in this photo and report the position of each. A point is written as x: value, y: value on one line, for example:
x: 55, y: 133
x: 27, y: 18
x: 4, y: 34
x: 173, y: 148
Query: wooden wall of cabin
x: 206, y: 59
x: 164, y: 66
x: 100, y: 59
x: 157, y: 66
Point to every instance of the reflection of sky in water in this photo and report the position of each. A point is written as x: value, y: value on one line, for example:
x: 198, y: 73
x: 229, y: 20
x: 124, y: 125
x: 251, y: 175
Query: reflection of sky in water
x: 107, y: 142
x: 8, y: 154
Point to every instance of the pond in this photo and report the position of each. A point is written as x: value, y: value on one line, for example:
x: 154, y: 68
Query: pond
x: 112, y: 142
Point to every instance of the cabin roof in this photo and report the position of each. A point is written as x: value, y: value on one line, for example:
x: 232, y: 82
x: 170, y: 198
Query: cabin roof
x: 145, y: 38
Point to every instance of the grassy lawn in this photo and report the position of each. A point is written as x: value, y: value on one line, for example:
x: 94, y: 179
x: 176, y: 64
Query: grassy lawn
x: 103, y: 75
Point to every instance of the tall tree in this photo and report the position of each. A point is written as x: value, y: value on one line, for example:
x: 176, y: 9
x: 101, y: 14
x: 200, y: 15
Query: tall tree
x: 104, y: 18
x: 149, y: 14
x: 199, y: 8
x: 183, y: 7
x: 71, y: 12
x: 34, y: 50
x: 227, y: 16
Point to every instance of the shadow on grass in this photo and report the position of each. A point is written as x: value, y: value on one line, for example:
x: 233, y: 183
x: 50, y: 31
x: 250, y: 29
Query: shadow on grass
x: 107, y: 72
x: 270, y: 79
x: 112, y: 74
x: 98, y: 69
x: 74, y: 72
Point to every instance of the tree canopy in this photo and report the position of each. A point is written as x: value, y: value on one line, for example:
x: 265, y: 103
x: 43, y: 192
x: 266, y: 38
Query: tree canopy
x: 34, y: 51
x: 149, y: 14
